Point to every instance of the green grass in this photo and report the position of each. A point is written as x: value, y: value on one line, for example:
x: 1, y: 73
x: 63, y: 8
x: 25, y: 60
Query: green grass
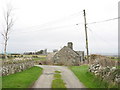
x: 118, y: 67
x: 88, y: 79
x: 57, y: 72
x: 57, y: 75
x: 34, y: 55
x: 22, y: 79
x: 58, y: 82
x: 115, y: 59
x: 40, y: 58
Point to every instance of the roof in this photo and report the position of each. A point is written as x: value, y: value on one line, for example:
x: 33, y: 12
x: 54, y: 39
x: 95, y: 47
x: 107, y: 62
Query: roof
x: 79, y: 52
x: 68, y: 50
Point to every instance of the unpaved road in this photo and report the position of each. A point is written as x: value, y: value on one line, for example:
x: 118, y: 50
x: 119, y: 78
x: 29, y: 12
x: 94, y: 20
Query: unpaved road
x: 45, y: 80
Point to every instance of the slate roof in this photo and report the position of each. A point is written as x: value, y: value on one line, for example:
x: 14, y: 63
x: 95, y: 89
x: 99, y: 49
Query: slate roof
x: 69, y: 50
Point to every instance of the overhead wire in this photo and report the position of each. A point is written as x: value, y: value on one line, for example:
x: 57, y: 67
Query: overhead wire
x: 105, y: 42
x: 105, y: 20
x: 101, y: 21
x: 61, y: 20
x: 49, y: 28
x: 94, y: 41
x: 97, y: 35
x: 55, y: 21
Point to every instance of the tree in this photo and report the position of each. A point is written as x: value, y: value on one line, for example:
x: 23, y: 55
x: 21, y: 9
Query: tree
x: 39, y: 52
x: 55, y: 50
x: 7, y: 26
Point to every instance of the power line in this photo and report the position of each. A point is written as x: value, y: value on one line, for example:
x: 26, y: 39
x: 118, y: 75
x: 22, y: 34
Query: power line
x: 71, y: 16
x: 95, y: 39
x: 100, y: 21
x: 65, y: 26
x: 98, y: 35
x: 61, y: 20
x: 49, y: 28
x: 104, y: 20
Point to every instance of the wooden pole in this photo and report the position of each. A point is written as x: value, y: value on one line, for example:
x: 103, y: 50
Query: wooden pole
x: 86, y: 35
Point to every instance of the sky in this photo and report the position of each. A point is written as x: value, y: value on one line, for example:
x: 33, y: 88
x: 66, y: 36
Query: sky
x: 51, y: 24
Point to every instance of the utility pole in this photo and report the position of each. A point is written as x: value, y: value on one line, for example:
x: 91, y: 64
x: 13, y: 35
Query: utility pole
x: 86, y: 35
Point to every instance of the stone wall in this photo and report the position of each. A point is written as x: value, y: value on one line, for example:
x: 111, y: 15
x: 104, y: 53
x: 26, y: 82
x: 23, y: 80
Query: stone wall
x: 13, y: 66
x: 109, y: 74
x: 105, y: 68
x: 102, y: 60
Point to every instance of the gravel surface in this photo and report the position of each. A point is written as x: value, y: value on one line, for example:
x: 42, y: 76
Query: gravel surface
x: 45, y: 80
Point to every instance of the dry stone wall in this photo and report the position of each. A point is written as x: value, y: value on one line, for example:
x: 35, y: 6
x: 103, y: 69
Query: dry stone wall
x: 13, y: 66
x: 102, y: 60
x: 104, y: 68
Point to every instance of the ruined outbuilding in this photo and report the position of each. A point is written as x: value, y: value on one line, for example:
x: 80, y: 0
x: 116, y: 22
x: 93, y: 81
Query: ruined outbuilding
x: 67, y: 56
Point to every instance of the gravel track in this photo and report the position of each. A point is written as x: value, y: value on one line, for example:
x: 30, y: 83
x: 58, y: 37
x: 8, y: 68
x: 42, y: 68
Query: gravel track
x: 45, y: 80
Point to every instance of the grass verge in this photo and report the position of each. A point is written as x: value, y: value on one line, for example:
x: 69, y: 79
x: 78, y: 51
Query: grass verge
x: 22, y: 79
x: 88, y: 79
x: 58, y: 82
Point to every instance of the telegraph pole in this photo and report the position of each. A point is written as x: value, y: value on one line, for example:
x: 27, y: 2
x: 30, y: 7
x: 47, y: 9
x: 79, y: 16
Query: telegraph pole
x: 86, y: 35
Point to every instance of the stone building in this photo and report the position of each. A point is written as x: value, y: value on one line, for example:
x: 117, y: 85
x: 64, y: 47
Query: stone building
x: 67, y: 56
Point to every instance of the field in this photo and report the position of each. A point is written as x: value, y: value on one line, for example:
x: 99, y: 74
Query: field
x: 34, y: 57
x: 88, y: 79
x: 22, y: 79
x: 115, y: 59
x: 40, y: 58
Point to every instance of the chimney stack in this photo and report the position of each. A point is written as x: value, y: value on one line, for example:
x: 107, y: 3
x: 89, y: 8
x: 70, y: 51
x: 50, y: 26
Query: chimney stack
x: 70, y: 45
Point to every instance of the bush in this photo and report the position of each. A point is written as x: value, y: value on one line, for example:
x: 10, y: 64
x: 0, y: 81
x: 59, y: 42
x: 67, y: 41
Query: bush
x: 112, y: 57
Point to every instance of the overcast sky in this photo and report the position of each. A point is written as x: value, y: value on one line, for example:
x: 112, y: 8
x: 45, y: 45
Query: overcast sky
x: 50, y: 24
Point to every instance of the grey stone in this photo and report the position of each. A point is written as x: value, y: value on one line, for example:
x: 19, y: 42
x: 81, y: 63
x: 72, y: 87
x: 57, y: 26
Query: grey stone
x: 67, y: 56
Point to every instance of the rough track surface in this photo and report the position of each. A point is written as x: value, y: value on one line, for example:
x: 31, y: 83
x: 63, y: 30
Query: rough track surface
x: 45, y: 80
